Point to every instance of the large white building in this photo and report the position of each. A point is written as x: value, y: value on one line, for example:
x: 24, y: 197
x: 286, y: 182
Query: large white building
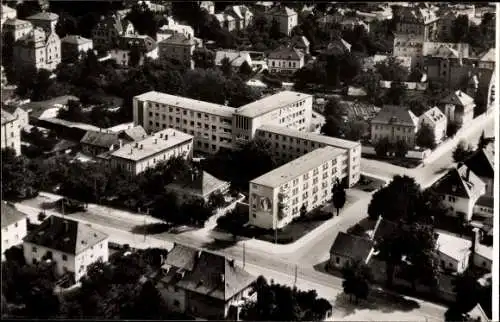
x: 13, y: 227
x: 11, y: 132
x: 276, y: 197
x: 70, y: 244
x: 288, y: 144
x: 138, y: 156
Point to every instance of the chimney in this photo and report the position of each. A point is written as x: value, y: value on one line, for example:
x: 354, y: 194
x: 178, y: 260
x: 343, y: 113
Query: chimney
x: 141, y: 146
x: 166, y: 136
x: 475, y: 240
x: 161, y: 135
x: 156, y: 140
x: 136, y: 144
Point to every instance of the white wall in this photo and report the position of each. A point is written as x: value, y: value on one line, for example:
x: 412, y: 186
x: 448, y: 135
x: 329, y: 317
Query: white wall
x: 11, y: 136
x: 13, y: 234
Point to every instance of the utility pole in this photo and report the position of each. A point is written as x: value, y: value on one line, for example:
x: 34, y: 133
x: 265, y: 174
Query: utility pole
x: 243, y: 254
x: 295, y: 278
x: 63, y: 202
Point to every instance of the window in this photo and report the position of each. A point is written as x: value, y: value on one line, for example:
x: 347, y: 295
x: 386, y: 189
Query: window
x: 34, y: 249
x: 64, y: 257
x: 337, y: 260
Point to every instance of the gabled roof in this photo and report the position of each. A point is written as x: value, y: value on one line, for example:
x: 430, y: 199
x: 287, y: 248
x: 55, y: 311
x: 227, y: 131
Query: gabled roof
x: 200, y: 185
x: 488, y: 56
x: 282, y: 11
x: 216, y: 277
x: 178, y: 39
x: 300, y: 42
x: 100, y: 139
x: 64, y: 235
x: 396, y: 115
x: 453, y: 246
x: 238, y: 11
x: 351, y: 246
x: 286, y: 53
x: 434, y: 115
x: 481, y: 163
x: 182, y: 257
x: 236, y: 58
x: 15, y: 22
x: 477, y: 314
x: 383, y: 228
x: 10, y: 215
x: 339, y: 44
x: 44, y: 16
x: 144, y: 42
x: 458, y: 98
x: 75, y: 39
x: 458, y: 182
x: 7, y: 117
x: 133, y: 134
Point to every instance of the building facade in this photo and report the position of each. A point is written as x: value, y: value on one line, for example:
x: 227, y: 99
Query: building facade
x: 8, y: 13
x: 395, y: 124
x: 107, y: 32
x: 14, y: 227
x: 11, y: 132
x: 285, y: 60
x: 286, y: 18
x: 138, y: 156
x: 45, y: 20
x: 70, y: 244
x: 241, y: 14
x: 39, y: 48
x: 72, y: 47
x: 436, y: 121
x: 409, y: 46
x: 178, y: 47
x: 16, y: 28
x: 458, y: 107
x: 276, y: 197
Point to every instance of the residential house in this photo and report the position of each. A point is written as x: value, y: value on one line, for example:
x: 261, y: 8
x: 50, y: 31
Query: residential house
x: 73, y: 46
x: 16, y: 28
x: 178, y: 47
x: 460, y: 190
x: 396, y: 124
x: 287, y: 18
x: 108, y: 31
x: 285, y: 60
x: 173, y: 27
x: 14, y: 227
x: 445, y: 24
x: 208, y: 6
x: 135, y: 133
x: 453, y: 252
x: 477, y: 314
x: 226, y: 21
x: 204, y: 285
x: 487, y: 60
x: 263, y: 6
x: 301, y: 43
x: 197, y: 185
x: 348, y: 248
x: 39, y: 48
x: 70, y: 244
x: 19, y: 113
x: 11, y: 132
x: 141, y: 45
x: 45, y: 20
x: 482, y: 256
x: 337, y: 46
x: 95, y: 143
x: 8, y: 13
x: 409, y: 46
x: 236, y: 58
x: 482, y: 164
x: 241, y: 14
x: 458, y: 107
x: 350, y: 23
x: 417, y: 21
x: 436, y: 121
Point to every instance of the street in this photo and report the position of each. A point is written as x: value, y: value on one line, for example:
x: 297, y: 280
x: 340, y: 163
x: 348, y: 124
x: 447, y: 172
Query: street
x: 283, y: 262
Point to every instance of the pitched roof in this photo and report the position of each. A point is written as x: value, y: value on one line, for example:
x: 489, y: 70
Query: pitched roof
x: 65, y: 235
x: 434, y: 115
x: 135, y: 133
x: 458, y: 182
x: 351, y: 246
x: 15, y: 22
x: 488, y: 56
x: 300, y: 42
x: 10, y: 215
x: 182, y: 257
x: 383, y: 228
x: 238, y: 11
x: 7, y: 117
x: 453, y: 246
x: 144, y: 42
x: 216, y: 277
x: 44, y: 16
x: 270, y: 103
x: 486, y: 201
x: 75, y: 39
x: 178, y: 39
x: 458, y: 98
x: 477, y: 314
x: 286, y: 53
x: 339, y: 44
x: 200, y: 185
x: 236, y: 58
x: 100, y: 139
x: 481, y: 163
x: 282, y: 11
x: 396, y: 115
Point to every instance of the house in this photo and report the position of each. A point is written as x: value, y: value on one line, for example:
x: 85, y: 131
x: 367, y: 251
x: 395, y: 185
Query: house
x: 350, y: 23
x: 130, y: 45
x: 482, y: 256
x: 178, y: 47
x: 226, y: 21
x: 109, y: 29
x: 95, y: 143
x: 19, y: 113
x: 14, y: 227
x: 417, y: 21
x: 208, y: 6
x: 482, y: 164
x: 460, y: 190
x: 135, y: 133
x: 173, y: 27
x: 285, y: 60
x: 338, y: 46
x: 409, y: 46
x: 204, y: 285
x: 70, y: 244
x: 8, y: 13
x: 72, y: 47
x: 396, y: 124
x: 11, y: 132
x: 198, y: 185
x: 301, y: 43
x: 347, y: 248
x: 458, y: 107
x: 453, y: 252
x: 16, y: 28
x: 236, y: 58
x: 40, y: 48
x: 436, y: 121
x: 477, y: 314
x: 487, y: 60
x: 241, y: 14
x: 286, y: 18
x: 45, y: 20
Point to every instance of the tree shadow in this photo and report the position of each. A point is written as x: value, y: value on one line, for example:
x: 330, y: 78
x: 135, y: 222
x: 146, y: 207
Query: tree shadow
x: 323, y: 268
x: 151, y: 229
x: 220, y: 244
x: 176, y: 230
x: 363, y: 227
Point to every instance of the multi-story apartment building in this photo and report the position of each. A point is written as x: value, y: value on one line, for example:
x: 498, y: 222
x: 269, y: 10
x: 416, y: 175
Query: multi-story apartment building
x: 241, y: 14
x: 458, y: 107
x: 173, y: 27
x: 436, y: 121
x: 71, y: 245
x: 395, y: 124
x: 16, y: 28
x: 11, y: 132
x: 72, y: 47
x: 138, y: 156
x: 286, y: 109
x: 409, y: 46
x: 178, y: 47
x: 14, y: 227
x: 287, y: 18
x: 210, y: 124
x: 276, y: 197
x: 39, y: 48
x: 288, y: 144
x: 107, y: 32
x: 226, y: 21
x: 45, y: 20
x: 145, y: 46
x: 8, y: 13
x: 417, y: 21
x: 285, y: 60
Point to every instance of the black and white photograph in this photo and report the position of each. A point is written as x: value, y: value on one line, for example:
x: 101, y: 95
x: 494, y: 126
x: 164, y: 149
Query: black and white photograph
x: 249, y: 160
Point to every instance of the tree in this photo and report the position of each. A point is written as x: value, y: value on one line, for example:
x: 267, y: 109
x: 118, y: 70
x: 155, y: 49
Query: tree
x: 396, y: 94
x: 18, y: 179
x: 460, y: 29
x: 401, y: 148
x: 333, y: 127
x: 303, y: 211
x: 462, y: 152
x: 203, y: 58
x: 392, y: 70
x: 425, y: 137
x: 451, y: 129
x: 245, y: 69
x: 216, y: 200
x: 226, y: 67
x: 355, y: 129
x: 357, y: 279
x: 382, y: 147
x: 338, y: 196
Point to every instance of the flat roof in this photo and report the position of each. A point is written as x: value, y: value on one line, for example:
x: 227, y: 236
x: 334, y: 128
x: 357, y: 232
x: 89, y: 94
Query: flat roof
x: 270, y: 103
x: 187, y: 103
x: 311, y: 136
x: 151, y: 145
x: 297, y: 167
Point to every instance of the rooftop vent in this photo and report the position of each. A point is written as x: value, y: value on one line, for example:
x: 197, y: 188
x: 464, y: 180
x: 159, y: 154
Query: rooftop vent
x: 141, y: 146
